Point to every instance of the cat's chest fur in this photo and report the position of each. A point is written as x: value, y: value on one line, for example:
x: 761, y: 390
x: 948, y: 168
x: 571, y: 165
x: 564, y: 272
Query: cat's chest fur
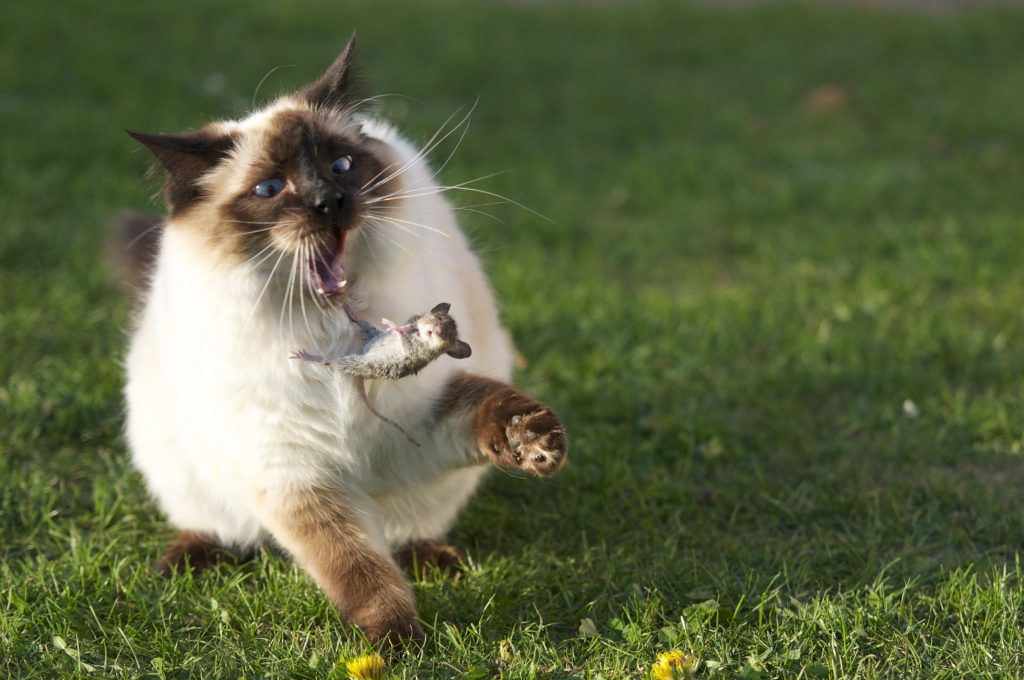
x: 249, y: 412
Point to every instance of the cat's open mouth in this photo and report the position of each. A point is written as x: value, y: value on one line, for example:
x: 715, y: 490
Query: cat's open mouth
x: 326, y: 272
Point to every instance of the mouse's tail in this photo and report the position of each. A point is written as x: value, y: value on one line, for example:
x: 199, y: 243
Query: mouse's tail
x: 134, y: 243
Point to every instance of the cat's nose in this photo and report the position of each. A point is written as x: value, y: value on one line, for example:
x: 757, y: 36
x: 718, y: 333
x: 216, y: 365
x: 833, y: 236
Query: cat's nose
x: 329, y: 204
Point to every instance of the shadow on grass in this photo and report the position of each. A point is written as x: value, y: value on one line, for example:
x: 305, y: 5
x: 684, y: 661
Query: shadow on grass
x: 810, y: 481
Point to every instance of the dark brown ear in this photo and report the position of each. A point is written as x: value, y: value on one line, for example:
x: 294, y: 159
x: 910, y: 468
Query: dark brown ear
x: 460, y: 350
x: 186, y: 158
x: 332, y: 88
x: 441, y: 308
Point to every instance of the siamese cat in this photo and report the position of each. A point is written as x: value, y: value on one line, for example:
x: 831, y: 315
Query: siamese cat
x: 278, y: 225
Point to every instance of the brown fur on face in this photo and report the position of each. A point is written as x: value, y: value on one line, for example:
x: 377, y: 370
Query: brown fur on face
x: 212, y: 175
x: 298, y: 147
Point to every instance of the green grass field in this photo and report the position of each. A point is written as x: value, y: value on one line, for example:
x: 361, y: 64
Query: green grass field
x: 781, y: 309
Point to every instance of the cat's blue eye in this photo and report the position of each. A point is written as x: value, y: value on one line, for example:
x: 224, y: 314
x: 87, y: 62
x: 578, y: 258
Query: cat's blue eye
x: 343, y: 164
x: 268, y: 188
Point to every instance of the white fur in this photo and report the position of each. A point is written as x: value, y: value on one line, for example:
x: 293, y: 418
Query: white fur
x: 219, y: 418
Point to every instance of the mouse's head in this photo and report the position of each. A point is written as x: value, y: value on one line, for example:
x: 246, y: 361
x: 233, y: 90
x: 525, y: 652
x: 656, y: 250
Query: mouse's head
x: 436, y: 329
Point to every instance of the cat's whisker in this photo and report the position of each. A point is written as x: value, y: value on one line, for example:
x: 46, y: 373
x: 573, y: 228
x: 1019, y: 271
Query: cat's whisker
x: 403, y: 228
x: 306, y: 275
x: 235, y: 221
x: 458, y: 187
x: 264, y: 79
x: 461, y: 137
x: 256, y: 304
x: 443, y: 187
x: 360, y: 102
x: 381, y: 231
x: 482, y: 205
x: 262, y: 250
x: 313, y: 256
x: 383, y: 210
x: 288, y: 300
x: 506, y: 471
x: 370, y: 185
x: 402, y: 248
x: 215, y: 237
x: 297, y: 290
x: 255, y: 266
x: 484, y: 213
x: 308, y: 261
x: 398, y: 222
x: 431, y: 144
x: 142, y: 235
x: 377, y: 208
x: 363, y: 189
x: 372, y: 231
x: 416, y: 192
x: 481, y: 251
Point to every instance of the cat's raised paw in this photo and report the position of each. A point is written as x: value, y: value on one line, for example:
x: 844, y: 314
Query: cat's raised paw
x: 521, y: 433
x: 538, y: 442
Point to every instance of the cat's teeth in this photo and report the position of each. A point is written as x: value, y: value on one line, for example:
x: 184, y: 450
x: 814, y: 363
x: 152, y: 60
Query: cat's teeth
x: 343, y: 283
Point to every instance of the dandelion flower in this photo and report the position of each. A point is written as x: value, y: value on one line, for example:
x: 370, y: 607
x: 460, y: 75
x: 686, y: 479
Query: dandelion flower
x: 674, y: 665
x: 365, y: 667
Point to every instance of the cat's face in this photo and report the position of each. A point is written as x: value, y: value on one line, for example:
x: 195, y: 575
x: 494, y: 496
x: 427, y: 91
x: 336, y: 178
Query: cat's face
x: 286, y: 189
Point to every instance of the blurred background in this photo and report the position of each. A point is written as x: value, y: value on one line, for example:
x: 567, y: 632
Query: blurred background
x: 778, y: 303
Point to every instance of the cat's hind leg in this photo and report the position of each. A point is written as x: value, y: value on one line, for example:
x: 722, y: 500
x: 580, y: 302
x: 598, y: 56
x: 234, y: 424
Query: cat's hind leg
x: 422, y: 558
x: 200, y: 551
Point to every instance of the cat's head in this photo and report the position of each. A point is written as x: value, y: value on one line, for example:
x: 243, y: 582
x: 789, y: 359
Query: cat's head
x: 289, y: 184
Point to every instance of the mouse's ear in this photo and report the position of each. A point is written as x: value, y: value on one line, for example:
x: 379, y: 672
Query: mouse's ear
x: 460, y: 350
x: 441, y: 308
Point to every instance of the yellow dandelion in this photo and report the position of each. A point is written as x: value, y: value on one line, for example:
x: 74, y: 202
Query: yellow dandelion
x: 365, y: 667
x: 674, y: 665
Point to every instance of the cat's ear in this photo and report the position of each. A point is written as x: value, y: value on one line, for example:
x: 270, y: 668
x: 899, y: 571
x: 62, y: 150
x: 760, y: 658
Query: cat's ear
x: 186, y: 158
x: 460, y: 350
x: 332, y: 88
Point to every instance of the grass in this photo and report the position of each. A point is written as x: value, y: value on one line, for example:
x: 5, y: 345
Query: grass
x: 787, y: 337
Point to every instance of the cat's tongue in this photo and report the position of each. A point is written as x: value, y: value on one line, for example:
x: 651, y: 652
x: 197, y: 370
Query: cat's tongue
x: 326, y: 269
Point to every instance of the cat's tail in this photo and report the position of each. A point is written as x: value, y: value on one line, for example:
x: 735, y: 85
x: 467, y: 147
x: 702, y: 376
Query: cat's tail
x: 134, y: 243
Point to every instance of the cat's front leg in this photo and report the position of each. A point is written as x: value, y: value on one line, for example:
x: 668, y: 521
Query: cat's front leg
x: 508, y: 428
x: 329, y: 535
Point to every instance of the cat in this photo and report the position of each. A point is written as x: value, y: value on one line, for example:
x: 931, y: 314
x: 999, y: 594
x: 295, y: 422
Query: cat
x: 276, y: 223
